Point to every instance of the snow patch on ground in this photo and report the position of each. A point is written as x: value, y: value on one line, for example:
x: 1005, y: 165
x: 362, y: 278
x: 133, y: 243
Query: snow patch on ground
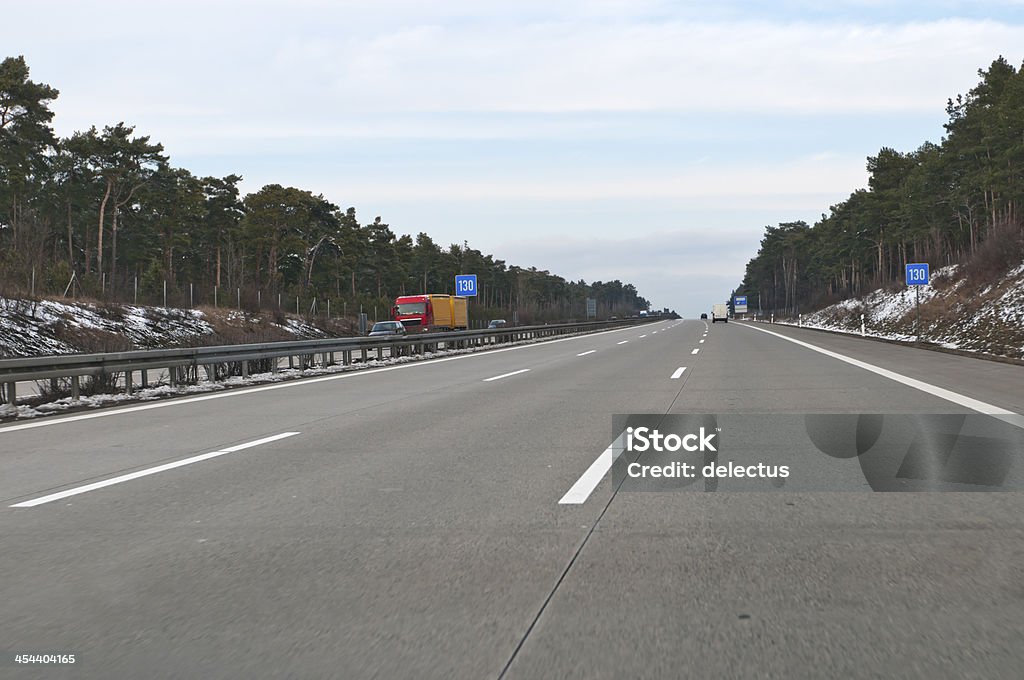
x: 301, y: 328
x: 34, y: 328
x: 44, y: 327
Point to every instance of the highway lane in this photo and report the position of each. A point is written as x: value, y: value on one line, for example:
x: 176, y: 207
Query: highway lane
x: 412, y: 529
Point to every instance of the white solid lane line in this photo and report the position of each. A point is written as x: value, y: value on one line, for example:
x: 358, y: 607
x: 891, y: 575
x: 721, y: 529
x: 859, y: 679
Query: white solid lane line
x: 695, y: 351
x: 149, y: 471
x: 589, y: 351
x: 588, y: 481
x: 678, y: 372
x: 942, y: 393
x: 505, y: 375
x: 643, y: 336
x: 623, y: 342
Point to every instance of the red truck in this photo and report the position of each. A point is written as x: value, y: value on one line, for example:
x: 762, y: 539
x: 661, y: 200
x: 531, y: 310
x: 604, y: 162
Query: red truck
x: 425, y: 313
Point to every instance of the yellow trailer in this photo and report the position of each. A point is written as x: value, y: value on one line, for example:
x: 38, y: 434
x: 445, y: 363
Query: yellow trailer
x: 460, y: 313
x: 449, y: 311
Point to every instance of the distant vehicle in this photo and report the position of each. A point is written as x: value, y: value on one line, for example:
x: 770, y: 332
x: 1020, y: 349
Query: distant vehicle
x: 720, y: 312
x: 497, y: 323
x: 613, y: 318
x: 704, y: 315
x: 387, y: 328
x: 643, y: 314
x: 423, y: 313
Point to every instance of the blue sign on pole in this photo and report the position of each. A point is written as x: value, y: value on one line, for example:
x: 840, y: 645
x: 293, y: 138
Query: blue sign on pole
x: 918, y: 274
x: 465, y: 284
x: 739, y: 304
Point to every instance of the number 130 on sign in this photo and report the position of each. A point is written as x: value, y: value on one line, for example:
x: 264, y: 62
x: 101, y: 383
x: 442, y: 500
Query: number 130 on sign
x: 917, y: 274
x: 465, y: 284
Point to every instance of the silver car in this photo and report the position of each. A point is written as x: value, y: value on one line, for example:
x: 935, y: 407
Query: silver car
x: 387, y: 328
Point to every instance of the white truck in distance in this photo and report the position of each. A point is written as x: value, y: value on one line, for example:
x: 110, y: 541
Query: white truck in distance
x: 720, y: 313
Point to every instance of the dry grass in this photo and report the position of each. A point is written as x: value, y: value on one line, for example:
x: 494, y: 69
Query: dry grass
x: 91, y: 340
x: 1002, y: 250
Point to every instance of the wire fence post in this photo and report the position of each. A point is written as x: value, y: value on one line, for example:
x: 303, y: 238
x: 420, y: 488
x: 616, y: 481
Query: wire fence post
x: 165, y: 292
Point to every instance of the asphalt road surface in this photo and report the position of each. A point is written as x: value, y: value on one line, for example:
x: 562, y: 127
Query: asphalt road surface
x: 454, y: 519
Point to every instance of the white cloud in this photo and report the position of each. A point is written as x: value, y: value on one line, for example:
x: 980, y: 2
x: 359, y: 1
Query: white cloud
x: 816, y: 176
x: 759, y: 66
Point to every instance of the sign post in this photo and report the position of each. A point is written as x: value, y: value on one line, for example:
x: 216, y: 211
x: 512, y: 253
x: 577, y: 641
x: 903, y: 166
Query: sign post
x: 465, y: 285
x: 918, y: 275
x: 591, y: 308
x: 739, y: 304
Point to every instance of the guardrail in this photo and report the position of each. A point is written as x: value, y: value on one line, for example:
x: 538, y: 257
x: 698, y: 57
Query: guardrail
x: 180, y: 363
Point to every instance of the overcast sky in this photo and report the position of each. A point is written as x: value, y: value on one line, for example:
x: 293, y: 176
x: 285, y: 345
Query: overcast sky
x: 643, y: 140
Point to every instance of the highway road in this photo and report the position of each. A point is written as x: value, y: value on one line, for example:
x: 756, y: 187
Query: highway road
x: 454, y: 519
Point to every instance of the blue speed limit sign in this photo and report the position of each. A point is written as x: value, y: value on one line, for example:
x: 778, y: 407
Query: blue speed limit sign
x: 465, y: 284
x: 917, y: 274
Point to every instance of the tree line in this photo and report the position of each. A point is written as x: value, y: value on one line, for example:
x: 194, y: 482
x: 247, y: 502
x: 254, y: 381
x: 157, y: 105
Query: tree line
x: 102, y: 214
x: 941, y: 203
